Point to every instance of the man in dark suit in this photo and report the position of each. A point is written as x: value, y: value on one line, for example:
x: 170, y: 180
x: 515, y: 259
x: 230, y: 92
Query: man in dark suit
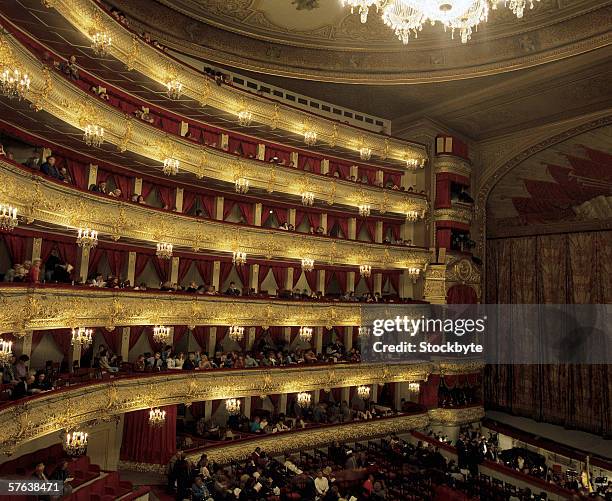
x: 49, y: 168
x: 232, y: 290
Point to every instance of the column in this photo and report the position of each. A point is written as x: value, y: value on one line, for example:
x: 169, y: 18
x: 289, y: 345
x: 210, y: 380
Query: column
x: 92, y: 177
x: 316, y: 395
x: 321, y: 281
x: 397, y: 396
x: 184, y: 128
x: 354, y: 171
x: 36, y: 248
x: 378, y: 235
x: 216, y: 275
x: 287, y: 334
x: 292, y: 217
x: 174, y: 270
x: 407, y: 231
x: 378, y: 283
x: 352, y: 228
x: 348, y: 338
x: 250, y: 339
x: 324, y: 166
x: 84, y: 263
x: 258, y: 213
x: 26, y: 347
x: 380, y: 176
x: 179, y: 200
x: 212, y: 341
x: 247, y: 407
x: 318, y: 339
x: 374, y: 394
x: 282, y: 404
x: 261, y: 151
x: 125, y: 343
x: 137, y: 186
x: 219, y: 208
x: 224, y: 142
x: 350, y: 281
x: 345, y: 394
x: 254, y: 277
x: 293, y: 158
x: 75, y: 355
x: 289, y: 282
x: 208, y: 410
x: 131, y: 271
x: 324, y: 223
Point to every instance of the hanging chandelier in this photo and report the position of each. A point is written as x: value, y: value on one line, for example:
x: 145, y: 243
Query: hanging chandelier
x: 6, y: 352
x: 75, y: 443
x: 412, y: 216
x: 236, y: 333
x: 365, y: 153
x: 8, y: 217
x: 305, y: 334
x: 100, y: 43
x: 364, y: 210
x: 241, y: 185
x: 307, y: 264
x: 93, y: 135
x: 82, y: 336
x: 239, y: 258
x: 414, y: 163
x: 161, y: 334
x: 14, y: 83
x: 164, y: 250
x: 87, y: 238
x: 363, y: 331
x: 407, y: 17
x: 363, y: 392
x: 365, y: 270
x: 308, y: 198
x: 310, y: 137
x: 414, y: 386
x: 174, y: 89
x: 245, y: 117
x: 157, y: 417
x: 414, y: 273
x: 303, y: 399
x: 232, y: 405
x: 171, y: 166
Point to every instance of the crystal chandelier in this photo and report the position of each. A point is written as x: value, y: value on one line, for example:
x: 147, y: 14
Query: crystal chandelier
x: 308, y: 198
x: 363, y: 392
x: 310, y: 137
x: 363, y: 331
x: 232, y: 405
x: 412, y: 216
x: 171, y: 166
x: 307, y: 264
x: 364, y: 210
x: 8, y: 217
x: 365, y: 270
x: 414, y: 387
x: 161, y: 334
x: 414, y: 163
x: 93, y: 135
x: 239, y: 258
x: 414, y: 273
x: 157, y: 417
x: 14, y: 83
x: 100, y: 43
x: 82, y: 336
x: 174, y: 89
x: 236, y: 333
x: 407, y: 17
x: 305, y: 334
x: 303, y: 399
x: 164, y: 250
x: 242, y: 185
x: 6, y: 351
x: 245, y: 117
x: 365, y: 153
x: 87, y: 238
x: 76, y: 443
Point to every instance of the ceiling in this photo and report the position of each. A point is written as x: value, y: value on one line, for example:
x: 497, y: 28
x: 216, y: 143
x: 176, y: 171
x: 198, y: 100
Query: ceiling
x: 569, y: 183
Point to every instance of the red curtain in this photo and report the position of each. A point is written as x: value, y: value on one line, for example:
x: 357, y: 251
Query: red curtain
x: 225, y: 271
x: 243, y: 274
x: 341, y: 221
x: 311, y: 278
x: 280, y: 276
x: 246, y: 209
x: 16, y: 246
x: 179, y: 334
x: 242, y: 146
x: 135, y: 333
x: 166, y: 196
x: 264, y: 269
x: 79, y: 172
x: 95, y: 257
x: 394, y: 279
x: 443, y: 238
x: 170, y: 125
x: 184, y: 265
x: 147, y: 187
x: 314, y: 218
x: 116, y: 260
x: 428, y: 395
x: 368, y: 280
x: 461, y: 294
x: 343, y: 169
x: 370, y: 226
x: 62, y: 338
x: 368, y: 172
x: 275, y: 151
x: 308, y: 163
x: 279, y: 212
x: 394, y: 177
x: 342, y: 279
x: 141, y: 263
x: 200, y: 334
x: 189, y: 200
x: 162, y: 267
x: 112, y: 339
x: 143, y: 443
x: 205, y: 269
x: 395, y: 230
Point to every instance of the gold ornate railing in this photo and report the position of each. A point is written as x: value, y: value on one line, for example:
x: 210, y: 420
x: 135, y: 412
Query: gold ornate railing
x: 63, y: 205
x: 89, y: 19
x: 54, y: 94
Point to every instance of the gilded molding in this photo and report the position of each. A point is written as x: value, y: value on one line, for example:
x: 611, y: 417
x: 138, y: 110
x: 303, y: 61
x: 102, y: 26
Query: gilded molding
x: 453, y: 165
x: 102, y: 401
x: 459, y: 212
x: 62, y: 205
x: 70, y: 104
x: 456, y: 417
x: 439, y: 278
x: 88, y: 18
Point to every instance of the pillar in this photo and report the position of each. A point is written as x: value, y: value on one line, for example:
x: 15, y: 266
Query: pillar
x: 321, y: 281
x: 293, y: 158
x: 131, y: 270
x: 137, y: 186
x: 261, y: 151
x: 354, y: 171
x: 208, y: 410
x: 378, y: 234
x: 406, y: 285
x: 282, y: 404
x: 219, y: 208
x: 352, y: 228
x: 407, y: 231
x: 84, y: 264
x: 216, y: 275
x: 324, y: 166
x: 380, y: 176
x: 289, y: 282
x: 75, y: 355
x: 224, y: 142
x: 36, y: 248
x: 258, y: 214
x: 179, y: 200
x: 92, y: 177
x: 287, y: 334
x: 174, y: 270
x: 378, y: 283
x: 254, y: 277
x: 348, y: 337
x: 345, y: 394
x: 250, y: 339
x: 26, y: 346
x: 212, y: 341
x: 125, y: 343
x: 374, y: 393
x: 318, y: 339
x: 247, y: 407
x: 324, y: 223
x: 350, y: 281
x: 292, y: 217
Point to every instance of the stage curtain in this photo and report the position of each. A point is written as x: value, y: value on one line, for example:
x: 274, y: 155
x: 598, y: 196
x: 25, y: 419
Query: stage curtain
x: 569, y: 268
x: 143, y: 443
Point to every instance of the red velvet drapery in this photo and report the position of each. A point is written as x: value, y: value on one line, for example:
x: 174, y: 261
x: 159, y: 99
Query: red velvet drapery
x: 200, y: 334
x: 205, y: 269
x: 461, y: 294
x: 16, y: 246
x: 280, y: 153
x: 143, y: 443
x: 428, y: 395
x: 342, y: 222
x: 309, y: 163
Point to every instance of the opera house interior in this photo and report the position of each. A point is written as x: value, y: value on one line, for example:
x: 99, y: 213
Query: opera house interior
x: 313, y: 250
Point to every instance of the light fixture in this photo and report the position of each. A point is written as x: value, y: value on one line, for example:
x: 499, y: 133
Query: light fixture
x: 174, y: 89
x: 93, y: 135
x: 242, y: 185
x: 414, y: 273
x: 365, y: 153
x: 310, y: 137
x: 14, y: 83
x: 364, y: 210
x: 308, y: 198
x: 82, y: 336
x: 412, y: 216
x: 75, y: 443
x: 414, y: 386
x: 232, y: 405
x: 303, y: 399
x: 305, y: 334
x: 365, y: 270
x: 307, y: 264
x: 414, y: 163
x: 171, y: 166
x: 245, y: 117
x: 100, y: 43
x: 6, y: 352
x: 407, y: 17
x: 157, y: 417
x: 236, y: 333
x: 87, y: 238
x: 161, y: 334
x: 363, y: 392
x: 239, y: 258
x: 164, y: 250
x: 8, y: 217
x: 363, y: 331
